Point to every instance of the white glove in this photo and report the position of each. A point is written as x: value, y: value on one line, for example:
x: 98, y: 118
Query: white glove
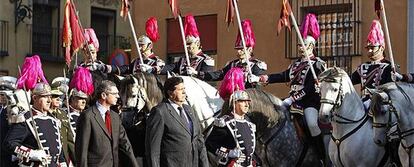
x: 191, y: 71
x: 145, y: 68
x: 63, y: 164
x: 38, y: 155
x: 234, y: 153
x: 98, y: 67
x: 253, y: 78
x: 397, y: 76
x: 287, y: 102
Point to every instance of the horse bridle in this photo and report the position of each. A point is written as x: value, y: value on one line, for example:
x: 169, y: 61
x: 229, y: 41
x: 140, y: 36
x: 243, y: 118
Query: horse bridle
x: 337, y: 104
x: 388, y: 125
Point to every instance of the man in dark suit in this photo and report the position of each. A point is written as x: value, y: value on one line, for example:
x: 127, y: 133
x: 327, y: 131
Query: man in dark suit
x: 173, y: 136
x: 100, y: 135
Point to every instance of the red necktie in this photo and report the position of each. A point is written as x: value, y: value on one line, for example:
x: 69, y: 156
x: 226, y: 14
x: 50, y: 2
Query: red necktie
x: 108, y: 122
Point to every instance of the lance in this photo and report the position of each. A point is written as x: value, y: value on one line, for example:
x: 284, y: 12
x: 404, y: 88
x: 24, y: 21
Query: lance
x: 295, y: 24
x: 135, y: 37
x: 36, y: 133
x: 387, y: 35
x: 246, y: 57
x: 187, y: 58
x: 68, y: 106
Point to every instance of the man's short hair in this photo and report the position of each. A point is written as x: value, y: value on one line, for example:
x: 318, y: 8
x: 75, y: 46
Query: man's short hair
x: 170, y: 83
x: 104, y: 86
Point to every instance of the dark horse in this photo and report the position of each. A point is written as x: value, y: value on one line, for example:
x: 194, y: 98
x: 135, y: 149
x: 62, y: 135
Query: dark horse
x: 277, y: 143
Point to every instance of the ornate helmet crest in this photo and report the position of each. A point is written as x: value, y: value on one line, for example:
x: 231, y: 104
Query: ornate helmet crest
x: 248, y: 35
x: 31, y: 73
x: 190, y: 29
x: 310, y: 29
x: 82, y: 81
x: 151, y: 29
x: 91, y: 39
x: 233, y: 80
x: 375, y: 35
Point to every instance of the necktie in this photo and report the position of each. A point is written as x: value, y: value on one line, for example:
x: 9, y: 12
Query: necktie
x: 108, y: 122
x: 184, y: 118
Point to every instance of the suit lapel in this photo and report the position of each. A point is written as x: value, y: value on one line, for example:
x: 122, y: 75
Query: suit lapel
x: 100, y: 121
x: 174, y: 113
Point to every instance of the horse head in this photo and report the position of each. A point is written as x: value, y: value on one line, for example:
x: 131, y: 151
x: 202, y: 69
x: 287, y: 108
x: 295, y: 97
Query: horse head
x: 391, y: 105
x: 335, y: 84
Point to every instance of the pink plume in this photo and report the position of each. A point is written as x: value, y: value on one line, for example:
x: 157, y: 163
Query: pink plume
x: 376, y: 35
x: 82, y: 80
x: 248, y: 35
x: 190, y: 28
x: 310, y: 26
x: 233, y: 80
x: 31, y: 73
x: 151, y: 27
x: 91, y: 38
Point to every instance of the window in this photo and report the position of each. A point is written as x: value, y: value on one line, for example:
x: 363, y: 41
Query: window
x: 4, y: 38
x: 207, y: 27
x: 103, y: 22
x: 46, y: 40
x: 339, y: 22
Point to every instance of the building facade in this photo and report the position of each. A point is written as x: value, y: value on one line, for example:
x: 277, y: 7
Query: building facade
x: 344, y: 27
x: 29, y: 27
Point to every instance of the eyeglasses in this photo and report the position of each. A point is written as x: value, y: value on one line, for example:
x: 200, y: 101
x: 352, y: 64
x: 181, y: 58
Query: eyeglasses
x: 113, y: 93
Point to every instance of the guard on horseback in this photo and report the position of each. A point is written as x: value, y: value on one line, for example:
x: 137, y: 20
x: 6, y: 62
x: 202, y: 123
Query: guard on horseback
x: 152, y: 63
x: 256, y: 66
x: 378, y: 70
x: 199, y: 62
x: 232, y: 137
x: 304, y: 98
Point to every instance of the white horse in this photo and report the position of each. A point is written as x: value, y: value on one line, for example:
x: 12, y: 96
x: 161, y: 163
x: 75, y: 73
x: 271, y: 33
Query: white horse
x: 394, y: 101
x: 352, y: 134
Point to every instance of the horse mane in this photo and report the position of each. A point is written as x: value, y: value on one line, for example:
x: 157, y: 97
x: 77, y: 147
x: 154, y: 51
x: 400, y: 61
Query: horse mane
x: 153, y: 85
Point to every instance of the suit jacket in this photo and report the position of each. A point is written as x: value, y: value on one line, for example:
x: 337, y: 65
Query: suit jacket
x: 169, y: 142
x: 94, y: 146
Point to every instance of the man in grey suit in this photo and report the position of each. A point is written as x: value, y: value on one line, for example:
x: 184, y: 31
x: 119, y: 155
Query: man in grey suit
x: 173, y: 135
x: 100, y: 135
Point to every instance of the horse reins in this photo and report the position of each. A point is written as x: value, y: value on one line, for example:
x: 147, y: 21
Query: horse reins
x: 401, y: 134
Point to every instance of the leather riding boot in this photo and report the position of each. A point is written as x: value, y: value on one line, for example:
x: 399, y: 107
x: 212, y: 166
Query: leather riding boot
x: 320, y: 148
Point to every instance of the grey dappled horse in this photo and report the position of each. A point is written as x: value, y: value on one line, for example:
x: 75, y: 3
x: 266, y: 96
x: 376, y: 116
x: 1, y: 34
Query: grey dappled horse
x: 277, y: 143
x: 352, y: 141
x: 394, y: 101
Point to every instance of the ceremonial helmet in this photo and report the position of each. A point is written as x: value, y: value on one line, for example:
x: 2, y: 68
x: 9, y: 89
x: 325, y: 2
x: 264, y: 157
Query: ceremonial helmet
x: 310, y: 29
x: 7, y: 83
x: 91, y: 39
x: 376, y: 35
x: 77, y: 93
x: 239, y: 95
x: 81, y: 83
x: 60, y: 86
x: 41, y: 89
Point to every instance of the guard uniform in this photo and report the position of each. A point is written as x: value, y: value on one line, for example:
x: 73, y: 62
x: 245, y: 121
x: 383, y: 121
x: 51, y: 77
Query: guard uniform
x: 154, y: 61
x: 257, y: 67
x: 302, y: 83
x: 21, y: 138
x: 201, y: 63
x: 229, y: 133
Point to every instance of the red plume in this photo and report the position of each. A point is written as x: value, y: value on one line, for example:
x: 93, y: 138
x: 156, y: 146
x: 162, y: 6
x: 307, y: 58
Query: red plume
x: 151, y: 27
x: 310, y: 26
x: 284, y: 16
x: 190, y: 27
x: 31, y: 73
x: 234, y: 79
x: 82, y: 80
x: 248, y: 35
